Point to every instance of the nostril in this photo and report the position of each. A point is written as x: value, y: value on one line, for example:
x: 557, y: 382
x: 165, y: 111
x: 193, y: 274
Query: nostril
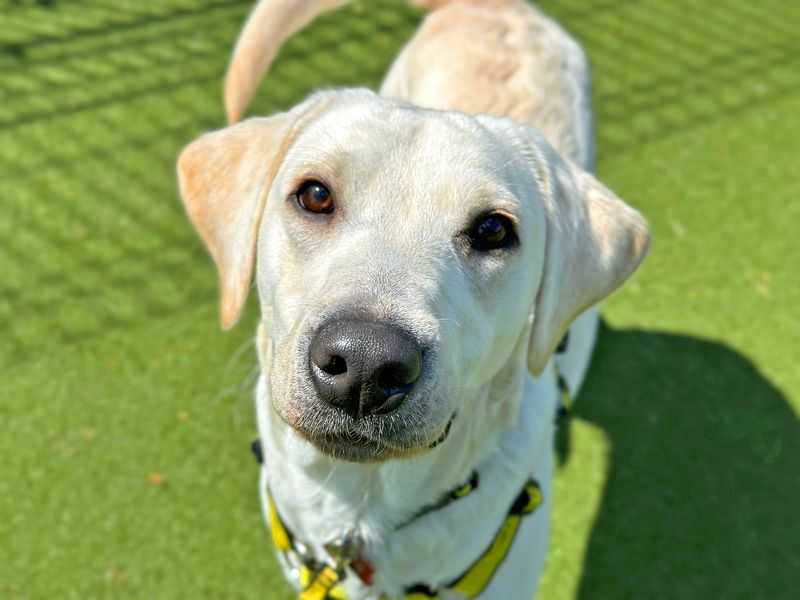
x: 334, y: 365
x: 396, y: 379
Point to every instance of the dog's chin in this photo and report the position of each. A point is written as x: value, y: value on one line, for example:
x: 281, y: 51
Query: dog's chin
x: 358, y: 448
x: 355, y: 449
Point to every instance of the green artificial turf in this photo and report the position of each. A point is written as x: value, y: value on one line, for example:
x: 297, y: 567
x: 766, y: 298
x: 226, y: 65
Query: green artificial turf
x: 126, y: 413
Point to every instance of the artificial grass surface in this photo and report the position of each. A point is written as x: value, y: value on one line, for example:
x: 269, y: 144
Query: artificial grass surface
x: 126, y: 414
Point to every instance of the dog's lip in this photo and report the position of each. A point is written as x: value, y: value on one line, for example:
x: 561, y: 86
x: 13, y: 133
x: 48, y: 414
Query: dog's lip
x: 356, y: 447
x: 445, y: 433
x: 350, y: 447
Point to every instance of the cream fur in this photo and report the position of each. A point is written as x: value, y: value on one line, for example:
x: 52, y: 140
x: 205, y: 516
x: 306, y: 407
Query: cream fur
x: 406, y: 178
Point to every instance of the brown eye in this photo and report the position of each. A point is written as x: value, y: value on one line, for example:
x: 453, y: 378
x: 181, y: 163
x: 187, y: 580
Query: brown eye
x: 492, y: 232
x: 314, y: 197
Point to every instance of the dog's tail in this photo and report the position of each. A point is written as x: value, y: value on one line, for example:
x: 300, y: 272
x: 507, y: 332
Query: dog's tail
x: 269, y: 25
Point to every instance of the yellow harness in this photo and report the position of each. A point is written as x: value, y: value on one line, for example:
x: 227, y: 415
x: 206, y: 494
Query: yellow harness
x: 323, y: 582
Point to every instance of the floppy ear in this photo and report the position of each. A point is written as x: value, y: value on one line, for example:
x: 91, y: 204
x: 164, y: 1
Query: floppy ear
x: 594, y: 242
x: 225, y: 177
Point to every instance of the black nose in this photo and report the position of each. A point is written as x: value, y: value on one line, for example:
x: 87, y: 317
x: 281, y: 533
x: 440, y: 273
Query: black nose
x: 364, y: 367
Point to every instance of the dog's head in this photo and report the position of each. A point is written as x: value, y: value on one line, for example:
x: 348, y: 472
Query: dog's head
x: 403, y: 257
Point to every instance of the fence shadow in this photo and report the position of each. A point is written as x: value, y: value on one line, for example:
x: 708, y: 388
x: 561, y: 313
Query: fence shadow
x: 665, y: 68
x: 702, y: 494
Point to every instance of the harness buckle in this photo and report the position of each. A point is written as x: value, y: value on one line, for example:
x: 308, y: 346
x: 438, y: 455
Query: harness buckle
x: 343, y: 550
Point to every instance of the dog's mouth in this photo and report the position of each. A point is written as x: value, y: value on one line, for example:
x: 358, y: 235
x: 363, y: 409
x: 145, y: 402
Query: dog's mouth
x: 353, y: 446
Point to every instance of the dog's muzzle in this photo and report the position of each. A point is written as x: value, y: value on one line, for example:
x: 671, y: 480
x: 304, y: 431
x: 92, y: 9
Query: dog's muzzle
x: 367, y: 391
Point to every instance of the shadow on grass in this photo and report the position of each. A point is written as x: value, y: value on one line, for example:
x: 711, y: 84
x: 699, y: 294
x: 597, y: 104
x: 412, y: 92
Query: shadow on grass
x: 704, y: 484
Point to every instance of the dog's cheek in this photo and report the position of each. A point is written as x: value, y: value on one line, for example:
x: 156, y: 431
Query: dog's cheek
x: 264, y: 345
x: 465, y: 334
x: 490, y: 337
x: 285, y: 386
x: 280, y: 280
x: 277, y: 350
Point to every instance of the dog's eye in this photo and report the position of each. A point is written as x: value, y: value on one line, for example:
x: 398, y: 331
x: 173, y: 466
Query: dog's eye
x: 314, y: 197
x: 491, y: 232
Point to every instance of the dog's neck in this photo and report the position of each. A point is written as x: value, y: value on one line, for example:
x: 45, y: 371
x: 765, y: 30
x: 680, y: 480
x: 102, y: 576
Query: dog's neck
x: 323, y: 499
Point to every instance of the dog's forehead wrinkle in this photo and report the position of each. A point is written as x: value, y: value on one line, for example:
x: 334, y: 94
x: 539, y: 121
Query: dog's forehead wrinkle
x: 328, y: 156
x: 392, y: 127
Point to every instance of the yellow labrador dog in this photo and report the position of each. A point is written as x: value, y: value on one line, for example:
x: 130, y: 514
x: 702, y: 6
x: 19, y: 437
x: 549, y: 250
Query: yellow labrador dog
x: 418, y: 255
